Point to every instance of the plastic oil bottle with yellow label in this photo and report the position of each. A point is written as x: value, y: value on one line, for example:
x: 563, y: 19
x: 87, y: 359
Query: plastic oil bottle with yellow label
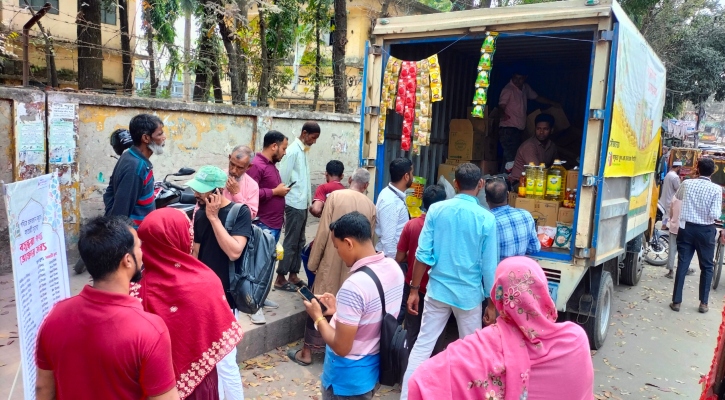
x: 555, y: 182
x: 540, y: 182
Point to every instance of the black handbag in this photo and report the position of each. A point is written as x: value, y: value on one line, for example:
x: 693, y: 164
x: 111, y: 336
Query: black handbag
x: 394, y: 349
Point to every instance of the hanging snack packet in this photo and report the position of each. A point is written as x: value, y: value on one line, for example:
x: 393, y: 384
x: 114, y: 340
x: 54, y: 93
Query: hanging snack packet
x: 477, y: 112
x: 482, y: 80
x: 489, y: 44
x: 480, y: 97
x: 436, y: 85
x: 484, y: 64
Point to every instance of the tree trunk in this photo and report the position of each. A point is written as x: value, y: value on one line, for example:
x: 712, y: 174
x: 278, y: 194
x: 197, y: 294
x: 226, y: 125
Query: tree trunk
x: 241, y: 59
x: 264, y: 78
x: 318, y: 60
x: 227, y: 38
x: 125, y: 48
x: 217, y: 82
x: 203, y: 61
x: 170, y: 85
x: 90, y: 53
x: 187, y: 56
x: 152, y: 64
x: 339, y: 68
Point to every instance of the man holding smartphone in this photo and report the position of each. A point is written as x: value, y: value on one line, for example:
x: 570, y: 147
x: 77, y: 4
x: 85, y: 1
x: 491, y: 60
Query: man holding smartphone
x: 215, y: 246
x: 295, y: 172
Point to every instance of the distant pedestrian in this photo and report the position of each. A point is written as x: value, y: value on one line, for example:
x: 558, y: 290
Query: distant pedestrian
x: 101, y: 344
x: 459, y: 244
x: 515, y: 228
x: 669, y: 188
x: 407, y: 246
x: 333, y: 181
x: 525, y: 355
x: 352, y: 359
x: 295, y: 172
x: 130, y: 191
x: 701, y: 207
x: 325, y: 262
x: 392, y: 212
x: 215, y: 246
x: 179, y: 288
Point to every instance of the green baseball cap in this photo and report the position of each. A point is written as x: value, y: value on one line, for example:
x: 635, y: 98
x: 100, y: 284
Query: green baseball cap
x: 207, y: 179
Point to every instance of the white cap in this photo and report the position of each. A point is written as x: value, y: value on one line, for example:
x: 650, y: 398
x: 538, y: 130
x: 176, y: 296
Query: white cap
x: 677, y: 164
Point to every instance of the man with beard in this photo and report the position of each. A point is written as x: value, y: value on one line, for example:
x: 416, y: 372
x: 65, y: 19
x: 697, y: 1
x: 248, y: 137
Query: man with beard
x: 241, y: 188
x: 272, y: 191
x: 101, y: 344
x: 215, y: 246
x: 392, y: 212
x: 539, y: 149
x: 130, y: 191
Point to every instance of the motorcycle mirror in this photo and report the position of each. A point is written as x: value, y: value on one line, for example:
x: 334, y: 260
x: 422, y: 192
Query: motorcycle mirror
x: 185, y: 172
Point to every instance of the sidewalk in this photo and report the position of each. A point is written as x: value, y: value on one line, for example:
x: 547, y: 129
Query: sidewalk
x: 284, y: 325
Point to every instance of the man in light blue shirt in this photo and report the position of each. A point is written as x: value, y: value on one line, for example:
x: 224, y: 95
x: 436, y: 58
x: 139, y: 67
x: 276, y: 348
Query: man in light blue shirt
x: 294, y: 169
x: 459, y: 244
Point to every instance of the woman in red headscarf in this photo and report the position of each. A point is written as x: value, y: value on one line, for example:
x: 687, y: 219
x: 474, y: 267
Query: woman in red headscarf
x: 190, y: 299
x: 525, y: 354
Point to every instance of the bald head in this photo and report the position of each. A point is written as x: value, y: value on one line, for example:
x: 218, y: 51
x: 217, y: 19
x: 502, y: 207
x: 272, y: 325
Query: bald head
x: 360, y: 179
x: 496, y: 193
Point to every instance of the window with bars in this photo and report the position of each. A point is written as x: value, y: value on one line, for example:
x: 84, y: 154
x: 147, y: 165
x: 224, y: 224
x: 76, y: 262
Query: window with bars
x: 108, y: 13
x: 38, y: 4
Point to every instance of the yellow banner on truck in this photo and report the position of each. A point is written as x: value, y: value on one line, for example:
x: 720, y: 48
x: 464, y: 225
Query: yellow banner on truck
x: 639, y: 99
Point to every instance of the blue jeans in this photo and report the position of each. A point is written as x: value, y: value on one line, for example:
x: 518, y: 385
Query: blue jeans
x: 274, y: 232
x: 700, y: 239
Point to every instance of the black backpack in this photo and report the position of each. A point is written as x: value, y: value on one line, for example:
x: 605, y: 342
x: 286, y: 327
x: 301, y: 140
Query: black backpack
x: 250, y: 286
x: 394, y: 349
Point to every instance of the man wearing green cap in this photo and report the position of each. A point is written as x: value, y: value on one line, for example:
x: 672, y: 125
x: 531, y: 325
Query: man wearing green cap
x: 215, y: 246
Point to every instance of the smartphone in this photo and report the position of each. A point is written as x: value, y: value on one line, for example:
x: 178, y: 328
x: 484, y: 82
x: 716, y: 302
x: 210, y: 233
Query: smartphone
x: 291, y: 184
x: 306, y: 294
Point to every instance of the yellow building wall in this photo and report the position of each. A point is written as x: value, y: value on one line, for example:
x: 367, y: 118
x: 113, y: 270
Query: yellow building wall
x: 62, y: 27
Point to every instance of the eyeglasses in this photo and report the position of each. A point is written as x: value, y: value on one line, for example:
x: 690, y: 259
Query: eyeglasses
x: 490, y: 178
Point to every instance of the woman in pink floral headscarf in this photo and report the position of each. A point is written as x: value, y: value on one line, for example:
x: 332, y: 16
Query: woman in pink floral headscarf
x: 525, y: 354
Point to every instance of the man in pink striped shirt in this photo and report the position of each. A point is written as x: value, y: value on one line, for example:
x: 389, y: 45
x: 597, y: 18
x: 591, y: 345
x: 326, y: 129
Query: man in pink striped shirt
x: 241, y: 188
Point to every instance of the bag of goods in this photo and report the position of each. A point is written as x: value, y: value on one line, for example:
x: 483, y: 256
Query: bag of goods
x: 562, y: 240
x: 546, y: 236
x: 436, y: 85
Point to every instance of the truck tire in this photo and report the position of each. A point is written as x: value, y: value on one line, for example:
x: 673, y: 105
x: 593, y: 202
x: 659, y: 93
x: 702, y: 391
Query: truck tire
x: 597, y: 327
x: 631, y: 272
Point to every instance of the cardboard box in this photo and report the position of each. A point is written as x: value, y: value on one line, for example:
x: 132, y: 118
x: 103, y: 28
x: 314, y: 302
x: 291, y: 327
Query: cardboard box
x: 463, y: 144
x: 513, y: 196
x: 448, y: 171
x: 526, y: 204
x: 566, y: 215
x: 489, y: 167
x: 453, y: 161
x: 548, y: 211
x: 572, y: 178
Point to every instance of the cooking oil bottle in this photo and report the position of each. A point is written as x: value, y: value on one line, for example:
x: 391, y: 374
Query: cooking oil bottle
x: 522, y: 185
x: 555, y: 181
x: 540, y: 182
x: 530, y: 180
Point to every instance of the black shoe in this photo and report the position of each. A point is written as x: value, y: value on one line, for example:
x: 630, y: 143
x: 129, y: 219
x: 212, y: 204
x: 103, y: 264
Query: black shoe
x: 675, y: 307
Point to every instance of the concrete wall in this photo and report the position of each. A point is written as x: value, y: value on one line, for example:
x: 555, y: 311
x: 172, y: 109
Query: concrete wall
x: 197, y: 134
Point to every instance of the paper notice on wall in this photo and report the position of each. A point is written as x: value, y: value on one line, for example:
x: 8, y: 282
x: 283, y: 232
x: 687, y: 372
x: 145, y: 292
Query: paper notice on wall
x: 40, y: 268
x: 62, y: 132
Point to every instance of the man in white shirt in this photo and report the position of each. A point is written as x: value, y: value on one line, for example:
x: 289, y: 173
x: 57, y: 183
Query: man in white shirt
x: 701, y: 207
x: 294, y: 169
x: 512, y: 105
x: 391, y: 210
x: 669, y: 188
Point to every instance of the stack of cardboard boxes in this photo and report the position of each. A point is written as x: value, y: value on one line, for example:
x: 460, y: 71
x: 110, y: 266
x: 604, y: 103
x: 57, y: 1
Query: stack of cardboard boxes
x: 471, y: 140
x: 548, y: 212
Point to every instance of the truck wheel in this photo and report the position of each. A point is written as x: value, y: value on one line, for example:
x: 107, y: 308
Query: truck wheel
x: 597, y: 327
x: 633, y: 262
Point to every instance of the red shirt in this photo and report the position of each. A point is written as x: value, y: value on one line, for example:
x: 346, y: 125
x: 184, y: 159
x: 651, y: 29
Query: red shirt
x: 409, y: 243
x: 103, y: 345
x: 325, y: 189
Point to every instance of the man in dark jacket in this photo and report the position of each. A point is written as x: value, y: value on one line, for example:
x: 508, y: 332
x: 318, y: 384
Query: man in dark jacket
x: 130, y: 192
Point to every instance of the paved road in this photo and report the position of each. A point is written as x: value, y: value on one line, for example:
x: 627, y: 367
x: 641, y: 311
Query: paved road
x: 650, y: 353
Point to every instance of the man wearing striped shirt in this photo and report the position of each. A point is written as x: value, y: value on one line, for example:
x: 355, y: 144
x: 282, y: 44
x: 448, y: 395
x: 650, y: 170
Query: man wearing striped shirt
x: 130, y: 191
x: 515, y: 228
x: 701, y: 207
x: 352, y: 358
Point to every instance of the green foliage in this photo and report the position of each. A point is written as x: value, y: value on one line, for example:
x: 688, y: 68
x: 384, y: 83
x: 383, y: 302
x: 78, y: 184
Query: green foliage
x: 440, y: 5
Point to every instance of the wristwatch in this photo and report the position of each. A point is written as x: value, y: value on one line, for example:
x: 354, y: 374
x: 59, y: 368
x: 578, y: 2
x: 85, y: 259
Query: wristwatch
x: 413, y: 286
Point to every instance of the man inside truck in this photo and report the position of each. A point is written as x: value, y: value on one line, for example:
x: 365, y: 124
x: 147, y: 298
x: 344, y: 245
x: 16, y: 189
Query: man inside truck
x: 538, y: 149
x: 513, y: 108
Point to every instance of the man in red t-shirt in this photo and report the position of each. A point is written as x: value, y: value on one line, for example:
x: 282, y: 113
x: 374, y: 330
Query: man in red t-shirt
x: 101, y: 344
x: 407, y: 246
x: 333, y: 176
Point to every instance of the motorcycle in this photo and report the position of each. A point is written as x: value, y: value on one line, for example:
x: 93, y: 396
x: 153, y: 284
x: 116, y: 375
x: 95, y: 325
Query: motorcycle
x: 657, y: 249
x: 166, y: 193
